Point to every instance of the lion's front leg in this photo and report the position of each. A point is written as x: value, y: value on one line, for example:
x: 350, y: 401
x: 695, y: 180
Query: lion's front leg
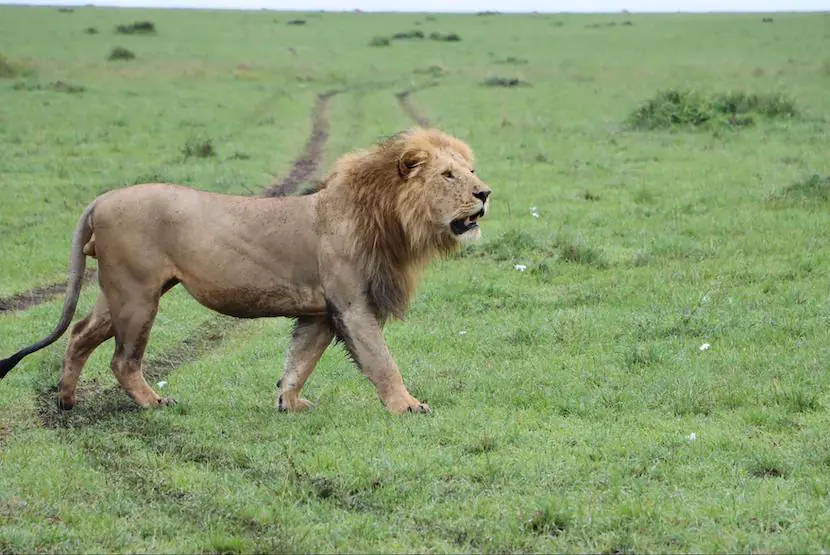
x: 362, y: 335
x: 308, y: 342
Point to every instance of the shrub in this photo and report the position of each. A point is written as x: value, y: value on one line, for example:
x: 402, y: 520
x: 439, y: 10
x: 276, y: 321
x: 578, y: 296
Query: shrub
x: 685, y: 108
x: 512, y: 60
x: 504, y: 82
x: 137, y: 28
x: 297, y: 22
x: 771, y: 105
x: 408, y: 35
x: 121, y: 53
x: 670, y: 108
x: 91, y: 31
x: 379, y: 41
x: 448, y: 37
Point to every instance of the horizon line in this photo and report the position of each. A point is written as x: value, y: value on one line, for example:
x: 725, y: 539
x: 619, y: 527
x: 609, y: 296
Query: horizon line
x: 174, y: 6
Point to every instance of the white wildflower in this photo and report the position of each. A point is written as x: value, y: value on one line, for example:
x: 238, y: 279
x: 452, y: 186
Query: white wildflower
x: 462, y: 332
x: 520, y: 267
x: 534, y: 211
x: 162, y: 384
x: 692, y: 436
x: 705, y: 347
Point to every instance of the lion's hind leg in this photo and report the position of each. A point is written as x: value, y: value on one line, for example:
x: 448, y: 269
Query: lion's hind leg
x: 134, y: 307
x: 85, y: 337
x: 308, y: 342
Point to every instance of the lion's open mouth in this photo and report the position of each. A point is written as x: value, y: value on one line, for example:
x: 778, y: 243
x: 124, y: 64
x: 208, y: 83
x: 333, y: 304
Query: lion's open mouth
x: 463, y: 225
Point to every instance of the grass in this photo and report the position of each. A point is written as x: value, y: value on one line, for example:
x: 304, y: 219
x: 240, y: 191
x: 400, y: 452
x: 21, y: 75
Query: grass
x: 199, y: 148
x: 812, y: 190
x: 10, y: 68
x: 565, y: 396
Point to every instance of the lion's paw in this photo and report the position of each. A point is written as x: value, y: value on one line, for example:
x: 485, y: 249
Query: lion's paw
x: 420, y: 408
x: 410, y: 405
x: 166, y: 401
x: 66, y: 402
x: 297, y: 405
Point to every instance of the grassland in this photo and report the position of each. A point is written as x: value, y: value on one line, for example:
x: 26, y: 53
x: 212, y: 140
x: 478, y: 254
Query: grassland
x: 575, y: 405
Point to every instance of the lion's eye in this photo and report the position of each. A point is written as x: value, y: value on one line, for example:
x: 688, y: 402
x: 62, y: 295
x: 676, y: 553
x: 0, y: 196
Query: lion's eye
x: 473, y: 170
x: 448, y: 174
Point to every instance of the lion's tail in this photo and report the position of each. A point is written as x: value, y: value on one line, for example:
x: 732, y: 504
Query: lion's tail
x: 77, y: 263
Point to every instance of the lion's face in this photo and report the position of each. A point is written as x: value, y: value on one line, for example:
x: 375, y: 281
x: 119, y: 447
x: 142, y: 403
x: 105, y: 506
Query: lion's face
x: 446, y: 179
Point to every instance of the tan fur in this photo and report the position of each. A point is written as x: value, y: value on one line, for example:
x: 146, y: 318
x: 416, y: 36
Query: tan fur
x: 341, y: 261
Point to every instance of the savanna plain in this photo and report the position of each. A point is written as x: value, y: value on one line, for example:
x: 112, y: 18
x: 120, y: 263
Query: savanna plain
x: 633, y: 359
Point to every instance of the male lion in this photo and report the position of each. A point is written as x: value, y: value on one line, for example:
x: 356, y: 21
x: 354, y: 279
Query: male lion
x: 341, y: 261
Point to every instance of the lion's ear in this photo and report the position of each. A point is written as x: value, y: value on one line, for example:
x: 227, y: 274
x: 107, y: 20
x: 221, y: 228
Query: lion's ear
x: 410, y: 160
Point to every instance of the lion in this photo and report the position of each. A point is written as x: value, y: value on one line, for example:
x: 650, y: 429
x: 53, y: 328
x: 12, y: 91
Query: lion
x: 341, y: 260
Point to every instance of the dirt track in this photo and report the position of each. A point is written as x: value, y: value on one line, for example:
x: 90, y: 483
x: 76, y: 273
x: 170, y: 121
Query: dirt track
x: 307, y: 164
x: 404, y: 99
x: 38, y: 295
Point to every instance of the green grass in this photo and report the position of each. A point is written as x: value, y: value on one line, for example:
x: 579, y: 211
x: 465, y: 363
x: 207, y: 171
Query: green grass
x: 564, y: 395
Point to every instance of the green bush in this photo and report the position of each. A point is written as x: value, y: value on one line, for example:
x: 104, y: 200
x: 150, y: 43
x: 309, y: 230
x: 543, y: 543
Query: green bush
x: 137, y: 28
x: 379, y: 41
x: 121, y: 53
x: 448, y: 37
x: 688, y: 108
x: 509, y: 82
x: 408, y: 35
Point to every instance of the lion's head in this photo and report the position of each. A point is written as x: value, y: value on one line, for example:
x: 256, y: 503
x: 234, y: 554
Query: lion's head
x: 439, y: 174
x: 422, y: 181
x: 408, y: 199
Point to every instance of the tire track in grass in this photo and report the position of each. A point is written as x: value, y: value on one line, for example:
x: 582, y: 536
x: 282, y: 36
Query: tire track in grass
x: 308, y: 163
x: 95, y: 402
x: 405, y: 100
x: 38, y: 295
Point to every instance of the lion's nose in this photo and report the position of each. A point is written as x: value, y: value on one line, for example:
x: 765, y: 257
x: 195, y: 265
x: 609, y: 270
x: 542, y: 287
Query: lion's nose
x: 482, y: 195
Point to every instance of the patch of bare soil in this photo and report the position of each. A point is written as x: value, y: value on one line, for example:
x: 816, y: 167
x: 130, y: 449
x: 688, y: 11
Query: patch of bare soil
x: 405, y: 100
x: 38, y: 295
x: 309, y: 161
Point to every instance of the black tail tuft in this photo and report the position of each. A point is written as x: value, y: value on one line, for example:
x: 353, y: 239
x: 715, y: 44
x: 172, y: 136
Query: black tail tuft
x: 8, y: 363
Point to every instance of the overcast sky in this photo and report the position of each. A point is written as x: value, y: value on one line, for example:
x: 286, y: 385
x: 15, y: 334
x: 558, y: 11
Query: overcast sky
x: 471, y: 5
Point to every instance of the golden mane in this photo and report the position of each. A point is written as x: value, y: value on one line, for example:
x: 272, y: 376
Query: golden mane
x: 393, y: 233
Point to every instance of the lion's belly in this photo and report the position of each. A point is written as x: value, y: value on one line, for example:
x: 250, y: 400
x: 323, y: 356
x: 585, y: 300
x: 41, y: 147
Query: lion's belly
x: 255, y: 302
